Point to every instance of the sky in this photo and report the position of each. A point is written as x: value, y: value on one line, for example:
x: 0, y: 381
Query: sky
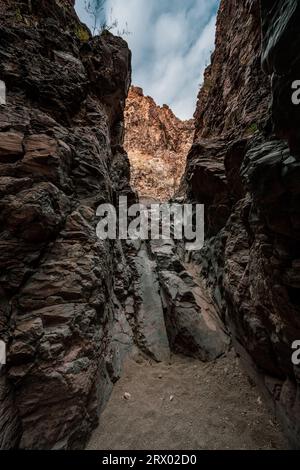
x: 171, y: 43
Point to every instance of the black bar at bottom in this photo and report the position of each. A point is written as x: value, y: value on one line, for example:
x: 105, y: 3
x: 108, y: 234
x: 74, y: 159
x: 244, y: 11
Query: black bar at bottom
x: 135, y: 459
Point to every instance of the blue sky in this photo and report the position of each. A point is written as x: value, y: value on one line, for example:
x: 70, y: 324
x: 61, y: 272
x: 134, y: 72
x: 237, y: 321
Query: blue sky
x: 171, y: 42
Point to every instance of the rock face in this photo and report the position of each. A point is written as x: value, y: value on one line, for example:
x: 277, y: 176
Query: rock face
x: 157, y: 143
x: 60, y: 287
x: 71, y: 305
x: 244, y: 166
x: 152, y: 337
x: 192, y: 323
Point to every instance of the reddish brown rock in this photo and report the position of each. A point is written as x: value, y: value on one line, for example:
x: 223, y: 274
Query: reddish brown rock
x: 60, y: 156
x: 249, y: 181
x: 157, y: 143
x: 11, y: 146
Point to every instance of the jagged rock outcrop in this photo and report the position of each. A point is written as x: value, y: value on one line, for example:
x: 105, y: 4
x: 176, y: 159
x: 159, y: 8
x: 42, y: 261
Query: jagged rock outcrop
x: 192, y: 323
x: 249, y: 181
x: 157, y: 143
x: 61, y: 288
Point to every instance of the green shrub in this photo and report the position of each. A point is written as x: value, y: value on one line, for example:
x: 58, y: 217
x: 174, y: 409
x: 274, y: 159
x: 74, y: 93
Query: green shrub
x: 207, y: 84
x: 252, y: 129
x: 81, y: 33
x: 18, y: 15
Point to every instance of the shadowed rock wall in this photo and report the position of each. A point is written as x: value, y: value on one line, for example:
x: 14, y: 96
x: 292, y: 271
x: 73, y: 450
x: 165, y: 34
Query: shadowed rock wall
x: 244, y: 165
x: 60, y: 157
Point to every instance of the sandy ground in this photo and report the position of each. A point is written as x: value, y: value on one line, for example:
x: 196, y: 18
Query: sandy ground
x: 185, y: 405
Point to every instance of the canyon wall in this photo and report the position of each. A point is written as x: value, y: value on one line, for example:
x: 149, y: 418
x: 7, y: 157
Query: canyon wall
x: 61, y: 288
x: 73, y: 306
x: 157, y: 143
x: 244, y: 166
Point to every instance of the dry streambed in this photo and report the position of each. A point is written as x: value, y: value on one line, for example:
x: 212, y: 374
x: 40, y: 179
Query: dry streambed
x: 185, y: 404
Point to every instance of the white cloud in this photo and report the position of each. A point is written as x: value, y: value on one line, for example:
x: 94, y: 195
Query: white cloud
x: 171, y: 41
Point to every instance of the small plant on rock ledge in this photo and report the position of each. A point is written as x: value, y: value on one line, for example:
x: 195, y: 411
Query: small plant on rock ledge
x: 252, y: 129
x: 81, y: 33
x: 18, y: 15
x: 95, y: 9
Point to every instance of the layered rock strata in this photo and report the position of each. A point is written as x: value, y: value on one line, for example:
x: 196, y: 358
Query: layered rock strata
x: 61, y: 156
x: 244, y: 166
x: 157, y: 143
x: 72, y: 305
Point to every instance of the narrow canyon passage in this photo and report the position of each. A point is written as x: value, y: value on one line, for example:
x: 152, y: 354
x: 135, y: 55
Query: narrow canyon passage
x: 179, y: 402
x: 166, y: 399
x: 125, y: 343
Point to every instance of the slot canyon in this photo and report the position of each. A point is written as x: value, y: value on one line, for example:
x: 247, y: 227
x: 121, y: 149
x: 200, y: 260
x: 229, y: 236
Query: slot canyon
x: 138, y: 344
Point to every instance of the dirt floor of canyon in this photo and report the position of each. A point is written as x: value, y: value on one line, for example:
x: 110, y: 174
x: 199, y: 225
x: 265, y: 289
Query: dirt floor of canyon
x: 186, y: 404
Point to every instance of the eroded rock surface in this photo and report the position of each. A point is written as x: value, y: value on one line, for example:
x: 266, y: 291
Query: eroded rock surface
x: 249, y: 181
x: 192, y: 323
x: 157, y: 143
x: 61, y: 288
x: 152, y: 337
x: 73, y: 306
